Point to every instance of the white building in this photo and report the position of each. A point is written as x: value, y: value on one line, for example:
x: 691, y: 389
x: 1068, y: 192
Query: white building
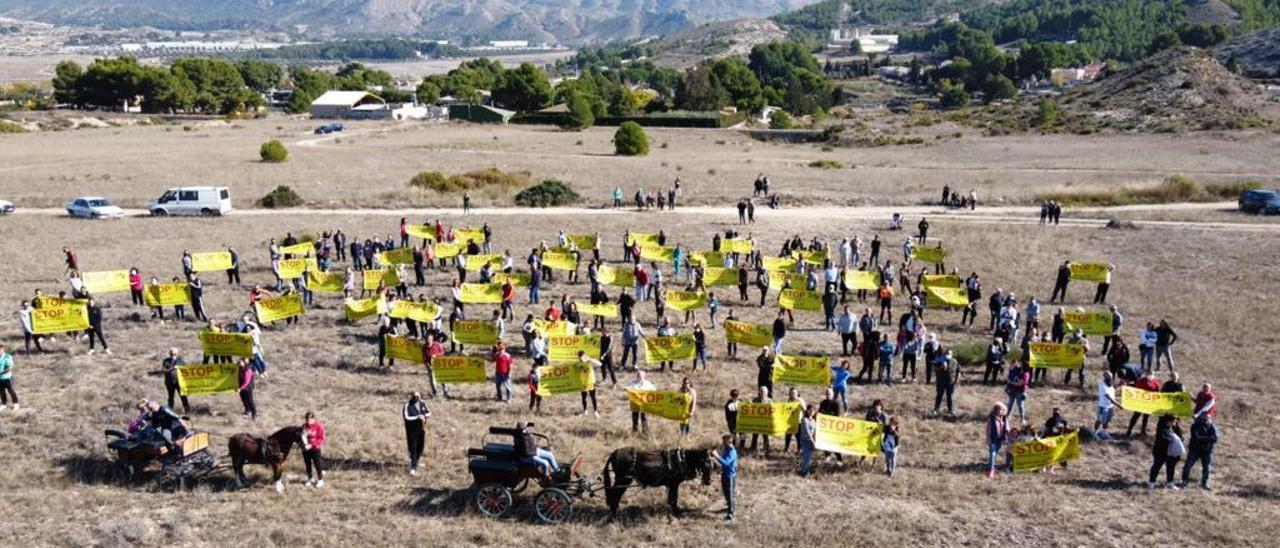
x: 340, y: 104
x: 843, y: 38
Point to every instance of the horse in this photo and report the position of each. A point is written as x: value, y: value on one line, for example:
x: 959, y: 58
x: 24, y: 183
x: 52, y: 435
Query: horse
x: 665, y: 468
x: 250, y: 449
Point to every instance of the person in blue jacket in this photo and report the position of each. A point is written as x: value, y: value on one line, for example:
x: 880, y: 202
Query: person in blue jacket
x: 727, y: 458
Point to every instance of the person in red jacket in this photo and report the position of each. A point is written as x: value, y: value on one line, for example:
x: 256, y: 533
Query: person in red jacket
x: 502, y: 372
x: 1148, y: 383
x: 552, y: 314
x: 430, y: 350
x: 508, y: 300
x: 1206, y: 401
x: 312, y: 441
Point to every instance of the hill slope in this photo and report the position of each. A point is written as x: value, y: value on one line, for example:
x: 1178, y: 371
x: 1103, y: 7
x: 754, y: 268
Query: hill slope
x: 1257, y: 52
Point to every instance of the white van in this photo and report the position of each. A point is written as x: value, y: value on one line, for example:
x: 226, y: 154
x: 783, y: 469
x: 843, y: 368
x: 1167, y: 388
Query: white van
x: 193, y: 200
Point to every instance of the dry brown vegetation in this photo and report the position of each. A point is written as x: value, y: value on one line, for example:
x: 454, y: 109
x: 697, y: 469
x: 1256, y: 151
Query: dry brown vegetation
x: 58, y: 489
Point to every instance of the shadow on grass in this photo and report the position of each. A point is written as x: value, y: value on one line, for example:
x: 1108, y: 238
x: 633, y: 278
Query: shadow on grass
x: 1256, y: 491
x: 1113, y: 484
x: 442, y: 502
x: 363, y: 465
x: 93, y: 470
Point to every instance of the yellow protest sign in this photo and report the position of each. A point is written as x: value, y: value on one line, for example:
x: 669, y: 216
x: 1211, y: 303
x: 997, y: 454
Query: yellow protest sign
x: 560, y: 260
x: 816, y: 258
x: 813, y: 370
x: 583, y: 241
x: 1032, y: 455
x: 568, y: 378
x: 770, y: 419
x: 848, y: 436
x: 707, y: 258
x: 773, y: 264
x: 458, y: 369
x: 403, y: 348
x: 1089, y: 272
x: 564, y: 348
x: 425, y: 232
x: 668, y: 404
x: 518, y: 279
x: 550, y: 328
x: 942, y: 280
x: 1060, y: 355
x: 736, y: 245
x: 862, y: 279
x: 300, y: 248
x: 657, y: 253
x: 211, y: 261
x: 475, y: 332
x: 449, y: 250
x: 60, y: 316
x: 471, y: 234
x: 110, y: 281
x: 371, y: 279
x: 608, y: 310
x: 207, y: 379
x: 214, y: 343
x: 617, y: 277
x: 399, y: 255
x: 946, y: 297
x: 489, y: 293
x: 166, y: 294
x: 357, y: 310
x: 799, y: 299
x: 685, y: 300
x: 750, y: 334
x: 1096, y: 322
x: 279, y: 308
x: 326, y: 282
x: 1156, y: 403
x: 669, y: 349
x: 715, y: 276
x: 294, y: 268
x: 643, y: 239
x: 780, y: 278
x: 418, y: 311
x: 475, y: 262
x: 928, y: 254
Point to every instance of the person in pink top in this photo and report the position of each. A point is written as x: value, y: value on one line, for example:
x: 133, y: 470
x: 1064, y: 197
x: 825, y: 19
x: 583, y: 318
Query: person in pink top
x: 246, y: 389
x: 135, y: 287
x: 312, y: 441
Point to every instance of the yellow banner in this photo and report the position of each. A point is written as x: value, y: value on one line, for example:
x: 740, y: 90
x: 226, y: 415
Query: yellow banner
x: 457, y: 369
x: 166, y: 294
x: 583, y: 241
x: 779, y: 279
x: 1032, y: 455
x: 658, y: 254
x: 422, y: 312
x: 942, y: 280
x: 425, y: 232
x: 560, y: 260
x: 60, y: 316
x: 518, y: 279
x: 946, y: 297
x: 110, y: 281
x: 1047, y: 354
x: 736, y: 245
x: 707, y: 258
x: 814, y: 370
x: 370, y: 279
x: 569, y: 378
x: 215, y: 343
x: 800, y: 299
x: 750, y: 334
x: 472, y: 234
x: 300, y: 248
x: 778, y: 263
x: 475, y: 262
x: 294, y: 268
x: 1156, y: 403
x: 715, y: 276
x: 669, y: 349
x: 403, y: 348
x: 686, y: 300
x: 326, y: 282
x: 207, y: 379
x: 399, y: 255
x: 608, y: 310
x: 211, y: 261
x: 667, y: 404
x: 862, y: 279
x: 848, y: 436
x: 643, y: 239
x: 1097, y: 322
x: 770, y: 419
x: 816, y: 258
x: 279, y: 308
x: 357, y: 310
x: 490, y: 293
x: 449, y: 250
x: 475, y: 332
x: 927, y: 254
x: 564, y: 348
x: 1089, y: 272
x: 617, y: 277
x: 556, y: 328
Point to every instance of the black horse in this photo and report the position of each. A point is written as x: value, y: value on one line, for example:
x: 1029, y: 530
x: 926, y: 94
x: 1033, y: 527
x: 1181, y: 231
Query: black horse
x: 668, y: 467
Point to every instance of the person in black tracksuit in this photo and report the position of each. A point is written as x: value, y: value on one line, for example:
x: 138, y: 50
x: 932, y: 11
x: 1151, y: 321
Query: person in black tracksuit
x: 233, y: 273
x: 606, y: 358
x: 415, y: 415
x: 95, y: 326
x: 1060, y: 285
x: 169, y: 368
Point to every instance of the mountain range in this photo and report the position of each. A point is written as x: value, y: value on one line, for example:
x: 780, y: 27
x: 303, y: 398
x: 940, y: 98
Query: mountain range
x: 551, y: 21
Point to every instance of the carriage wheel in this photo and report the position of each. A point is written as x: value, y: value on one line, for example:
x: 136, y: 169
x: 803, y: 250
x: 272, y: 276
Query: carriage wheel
x: 494, y: 500
x: 553, y: 505
x: 520, y: 487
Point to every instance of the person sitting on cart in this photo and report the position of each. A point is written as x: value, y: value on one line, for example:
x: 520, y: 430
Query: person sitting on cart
x: 167, y: 424
x: 526, y: 446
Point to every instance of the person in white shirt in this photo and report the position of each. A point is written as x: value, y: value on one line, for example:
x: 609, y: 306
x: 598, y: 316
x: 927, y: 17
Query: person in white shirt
x: 639, y: 420
x: 1147, y: 346
x: 1106, y: 406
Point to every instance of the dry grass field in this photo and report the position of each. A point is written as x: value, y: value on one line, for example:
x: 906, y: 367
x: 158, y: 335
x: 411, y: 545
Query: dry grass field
x: 1213, y: 284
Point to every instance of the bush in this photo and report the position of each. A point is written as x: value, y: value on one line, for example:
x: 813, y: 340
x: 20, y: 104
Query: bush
x: 1177, y: 188
x: 826, y: 164
x: 630, y: 140
x: 781, y: 120
x: 580, y: 116
x: 546, y: 194
x: 282, y: 196
x: 431, y: 180
x: 471, y: 180
x: 273, y: 151
x: 10, y: 127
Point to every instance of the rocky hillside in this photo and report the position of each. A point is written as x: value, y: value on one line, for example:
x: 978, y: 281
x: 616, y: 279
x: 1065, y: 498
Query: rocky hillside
x: 726, y: 38
x: 1179, y: 89
x: 565, y: 21
x: 1258, y: 53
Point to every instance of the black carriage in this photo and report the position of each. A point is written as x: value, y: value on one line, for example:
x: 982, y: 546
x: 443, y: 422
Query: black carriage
x: 499, y: 474
x: 175, y: 466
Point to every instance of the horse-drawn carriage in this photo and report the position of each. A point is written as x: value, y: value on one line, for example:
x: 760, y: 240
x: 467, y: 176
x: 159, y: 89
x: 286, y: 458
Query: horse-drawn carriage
x: 172, y: 465
x: 500, y: 473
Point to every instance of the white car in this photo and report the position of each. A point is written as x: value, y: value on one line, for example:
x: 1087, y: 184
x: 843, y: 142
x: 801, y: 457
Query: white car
x: 93, y: 207
x: 193, y: 200
x: 6, y: 207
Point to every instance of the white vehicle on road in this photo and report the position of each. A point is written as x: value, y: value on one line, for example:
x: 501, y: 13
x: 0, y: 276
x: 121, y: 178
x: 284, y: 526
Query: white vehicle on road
x: 193, y: 200
x: 6, y: 207
x: 93, y: 207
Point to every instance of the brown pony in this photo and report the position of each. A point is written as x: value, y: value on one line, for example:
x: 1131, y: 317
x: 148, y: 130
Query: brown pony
x: 665, y: 468
x: 249, y: 449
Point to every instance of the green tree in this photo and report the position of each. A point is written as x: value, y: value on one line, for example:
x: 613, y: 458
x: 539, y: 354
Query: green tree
x: 701, y: 91
x: 66, y: 83
x: 1164, y: 41
x: 273, y: 151
x: 736, y: 78
x: 630, y: 140
x: 780, y: 119
x: 217, y: 84
x: 428, y: 92
x: 1047, y: 115
x: 953, y: 95
x: 299, y: 101
x: 580, y: 114
x: 525, y: 89
x: 260, y: 76
x: 997, y: 87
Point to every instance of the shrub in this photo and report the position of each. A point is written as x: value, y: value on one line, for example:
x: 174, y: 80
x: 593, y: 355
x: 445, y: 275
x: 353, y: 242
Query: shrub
x: 827, y: 164
x: 781, y: 120
x: 273, y: 151
x: 10, y: 127
x: 580, y: 116
x: 630, y: 140
x: 1177, y: 188
x: 282, y: 196
x: 471, y: 180
x: 546, y: 194
x: 432, y: 180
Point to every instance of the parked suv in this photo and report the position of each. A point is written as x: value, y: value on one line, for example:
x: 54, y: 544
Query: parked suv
x: 193, y: 200
x: 1266, y: 202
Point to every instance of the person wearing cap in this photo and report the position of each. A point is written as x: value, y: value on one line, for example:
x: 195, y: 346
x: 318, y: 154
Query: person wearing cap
x: 415, y: 414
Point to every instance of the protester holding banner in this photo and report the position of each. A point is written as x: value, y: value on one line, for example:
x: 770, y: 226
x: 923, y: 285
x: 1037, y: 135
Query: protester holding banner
x: 169, y: 370
x: 686, y: 387
x: 764, y: 371
x: 594, y: 364
x: 535, y: 400
x: 1146, y: 383
x: 135, y: 287
x: 1106, y: 407
x: 640, y: 421
x: 763, y: 396
x: 385, y: 329
x: 632, y: 332
x: 806, y: 434
x: 95, y: 326
x: 6, y: 384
